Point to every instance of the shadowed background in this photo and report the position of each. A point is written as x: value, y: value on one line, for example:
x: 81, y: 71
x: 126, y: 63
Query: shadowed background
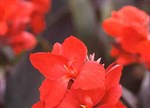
x: 81, y: 18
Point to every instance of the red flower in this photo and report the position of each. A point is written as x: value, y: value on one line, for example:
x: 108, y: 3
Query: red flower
x: 128, y: 16
x: 22, y: 41
x: 7, y: 7
x: 37, y: 19
x: 129, y: 27
x: 94, y: 98
x: 16, y: 16
x: 69, y: 76
x: 22, y: 13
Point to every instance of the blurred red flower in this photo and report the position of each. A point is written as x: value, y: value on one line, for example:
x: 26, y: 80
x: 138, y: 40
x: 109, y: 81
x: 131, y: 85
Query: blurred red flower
x: 130, y: 28
x: 37, y: 18
x: 15, y: 18
x: 72, y: 81
x: 22, y: 41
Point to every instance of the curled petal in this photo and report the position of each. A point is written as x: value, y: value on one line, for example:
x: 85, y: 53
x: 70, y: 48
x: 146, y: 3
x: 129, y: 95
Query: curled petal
x: 113, y: 76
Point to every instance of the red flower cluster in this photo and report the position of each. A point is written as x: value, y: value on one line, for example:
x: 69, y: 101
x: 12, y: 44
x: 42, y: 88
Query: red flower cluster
x: 37, y: 17
x: 130, y: 28
x: 18, y: 15
x: 74, y: 80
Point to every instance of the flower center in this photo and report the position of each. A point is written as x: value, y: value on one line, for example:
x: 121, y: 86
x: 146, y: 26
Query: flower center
x: 84, y: 106
x: 70, y: 72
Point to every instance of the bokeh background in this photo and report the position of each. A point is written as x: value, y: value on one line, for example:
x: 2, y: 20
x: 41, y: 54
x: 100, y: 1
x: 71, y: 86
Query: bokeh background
x: 81, y: 18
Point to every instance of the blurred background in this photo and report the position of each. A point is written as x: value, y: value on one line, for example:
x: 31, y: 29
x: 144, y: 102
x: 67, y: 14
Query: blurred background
x: 81, y: 18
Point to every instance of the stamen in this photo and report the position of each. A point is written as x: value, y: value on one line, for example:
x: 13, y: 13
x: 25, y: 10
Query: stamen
x: 83, y: 106
x: 66, y: 67
x: 71, y: 73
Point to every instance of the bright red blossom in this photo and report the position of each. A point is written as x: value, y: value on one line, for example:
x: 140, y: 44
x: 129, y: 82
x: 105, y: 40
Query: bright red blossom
x: 15, y: 18
x: 131, y: 33
x: 72, y: 81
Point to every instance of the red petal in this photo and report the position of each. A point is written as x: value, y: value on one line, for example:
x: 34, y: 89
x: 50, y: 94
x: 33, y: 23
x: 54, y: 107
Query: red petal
x: 42, y: 6
x: 114, y: 52
x: 75, y: 51
x: 112, y: 26
x: 120, y: 105
x: 57, y: 49
x: 113, y: 76
x: 143, y: 48
x: 23, y: 12
x: 22, y: 41
x: 110, y: 66
x: 37, y: 23
x: 50, y: 65
x: 113, y: 95
x: 69, y: 101
x: 92, y: 76
x: 3, y: 28
x: 132, y: 36
x: 126, y: 59
x: 106, y: 106
x: 89, y: 97
x: 131, y: 14
x: 52, y: 92
x: 39, y: 105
